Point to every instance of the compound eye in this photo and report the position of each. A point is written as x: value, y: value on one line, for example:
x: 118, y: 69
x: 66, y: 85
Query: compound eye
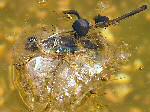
x: 81, y: 27
x: 31, y: 44
x: 101, y: 20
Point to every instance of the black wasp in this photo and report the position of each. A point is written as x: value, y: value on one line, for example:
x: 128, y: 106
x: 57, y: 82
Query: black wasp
x: 68, y: 44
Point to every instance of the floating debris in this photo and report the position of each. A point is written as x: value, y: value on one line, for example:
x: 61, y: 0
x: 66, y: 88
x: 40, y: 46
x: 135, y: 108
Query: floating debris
x: 56, y: 71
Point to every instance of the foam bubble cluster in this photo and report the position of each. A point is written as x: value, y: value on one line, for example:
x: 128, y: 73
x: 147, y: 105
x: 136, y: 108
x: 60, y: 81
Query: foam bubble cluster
x: 58, y: 74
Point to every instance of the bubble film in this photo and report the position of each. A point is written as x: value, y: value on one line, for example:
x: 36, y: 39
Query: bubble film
x: 62, y: 70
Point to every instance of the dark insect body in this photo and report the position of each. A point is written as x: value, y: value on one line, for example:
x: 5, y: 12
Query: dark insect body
x: 60, y: 44
x: 81, y: 28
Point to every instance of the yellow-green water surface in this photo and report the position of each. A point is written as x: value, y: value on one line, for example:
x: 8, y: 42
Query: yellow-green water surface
x: 127, y: 92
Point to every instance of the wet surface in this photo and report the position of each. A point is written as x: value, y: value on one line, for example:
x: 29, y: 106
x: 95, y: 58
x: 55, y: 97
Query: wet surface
x: 132, y: 79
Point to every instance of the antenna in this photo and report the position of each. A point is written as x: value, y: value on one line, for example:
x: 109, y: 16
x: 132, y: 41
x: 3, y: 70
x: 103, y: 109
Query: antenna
x: 72, y: 12
x: 127, y: 15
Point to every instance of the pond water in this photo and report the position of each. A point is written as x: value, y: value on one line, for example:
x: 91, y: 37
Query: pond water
x: 127, y: 91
